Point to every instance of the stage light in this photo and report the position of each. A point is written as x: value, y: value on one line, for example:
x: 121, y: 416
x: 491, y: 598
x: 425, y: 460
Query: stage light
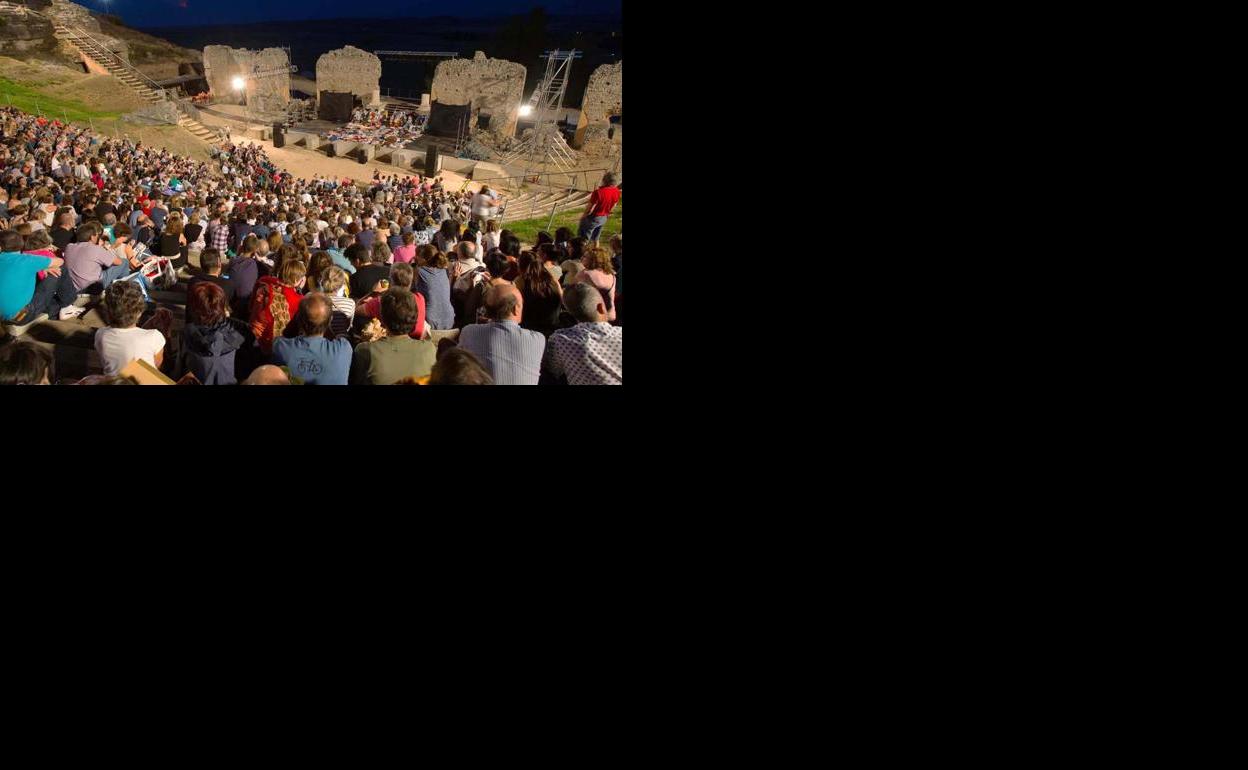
x: 238, y: 84
x: 526, y: 110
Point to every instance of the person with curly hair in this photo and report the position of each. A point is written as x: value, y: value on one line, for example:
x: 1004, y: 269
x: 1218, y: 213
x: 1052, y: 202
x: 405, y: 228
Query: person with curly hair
x: 123, y: 341
x: 275, y: 302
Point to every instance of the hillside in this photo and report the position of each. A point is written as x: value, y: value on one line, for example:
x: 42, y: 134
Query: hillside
x: 97, y: 101
x: 153, y: 56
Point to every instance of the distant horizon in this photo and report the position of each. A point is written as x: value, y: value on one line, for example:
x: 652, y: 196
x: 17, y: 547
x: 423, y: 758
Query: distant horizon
x: 156, y: 14
x: 453, y: 17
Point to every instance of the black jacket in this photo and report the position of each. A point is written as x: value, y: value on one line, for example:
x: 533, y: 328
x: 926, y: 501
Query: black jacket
x: 366, y: 277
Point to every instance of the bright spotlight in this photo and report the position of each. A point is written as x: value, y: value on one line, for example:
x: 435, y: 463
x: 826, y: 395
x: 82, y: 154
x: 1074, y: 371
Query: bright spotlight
x: 526, y: 110
x: 238, y: 84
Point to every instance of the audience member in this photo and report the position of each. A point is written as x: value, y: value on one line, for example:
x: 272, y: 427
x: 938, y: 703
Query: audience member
x: 512, y: 355
x: 310, y: 355
x: 123, y: 341
x: 397, y: 356
x: 592, y: 352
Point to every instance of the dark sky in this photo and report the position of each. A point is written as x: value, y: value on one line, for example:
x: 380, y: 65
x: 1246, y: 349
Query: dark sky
x: 169, y: 13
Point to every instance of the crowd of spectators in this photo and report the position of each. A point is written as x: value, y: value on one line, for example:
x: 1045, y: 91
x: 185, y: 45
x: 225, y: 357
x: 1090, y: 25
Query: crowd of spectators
x: 393, y: 280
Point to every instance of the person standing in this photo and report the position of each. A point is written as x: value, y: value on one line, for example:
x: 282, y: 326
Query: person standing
x: 601, y: 204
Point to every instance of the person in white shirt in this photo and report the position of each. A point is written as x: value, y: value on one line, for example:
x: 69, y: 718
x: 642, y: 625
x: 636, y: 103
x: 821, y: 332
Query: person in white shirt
x: 123, y: 342
x: 489, y: 239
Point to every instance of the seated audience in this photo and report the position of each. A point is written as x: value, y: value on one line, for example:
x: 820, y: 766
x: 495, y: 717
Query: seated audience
x: 599, y: 274
x: 344, y: 242
x: 26, y: 363
x: 541, y: 293
x: 309, y: 354
x: 334, y: 285
x: 459, y: 367
x: 406, y: 252
x: 123, y: 341
x: 401, y: 276
x: 512, y: 355
x: 268, y: 375
x: 210, y: 264
x: 434, y: 285
x: 275, y: 302
x: 370, y: 273
x: 209, y: 341
x: 592, y: 352
x: 22, y: 296
x: 397, y: 356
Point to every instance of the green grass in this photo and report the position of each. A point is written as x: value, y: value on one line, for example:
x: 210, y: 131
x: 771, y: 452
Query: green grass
x: 527, y: 229
x: 30, y: 100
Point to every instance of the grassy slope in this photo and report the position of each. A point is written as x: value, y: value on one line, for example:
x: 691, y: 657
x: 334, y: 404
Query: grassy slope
x: 36, y: 98
x: 33, y: 100
x: 527, y: 229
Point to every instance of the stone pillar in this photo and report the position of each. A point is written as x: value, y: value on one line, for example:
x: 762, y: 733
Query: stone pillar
x: 350, y: 70
x: 494, y: 86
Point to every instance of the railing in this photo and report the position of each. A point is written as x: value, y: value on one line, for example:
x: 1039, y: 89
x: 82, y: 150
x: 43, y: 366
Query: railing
x: 571, y: 190
x: 584, y: 177
x: 79, y: 32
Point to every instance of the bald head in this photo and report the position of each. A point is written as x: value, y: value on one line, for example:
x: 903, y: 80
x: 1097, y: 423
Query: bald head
x: 315, y: 312
x: 267, y: 375
x: 503, y: 303
x: 585, y: 303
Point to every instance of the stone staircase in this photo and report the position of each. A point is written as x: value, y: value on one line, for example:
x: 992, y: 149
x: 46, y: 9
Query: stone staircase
x: 533, y: 205
x: 135, y: 80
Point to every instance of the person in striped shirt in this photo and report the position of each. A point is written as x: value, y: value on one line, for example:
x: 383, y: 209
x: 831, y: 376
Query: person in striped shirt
x: 334, y: 285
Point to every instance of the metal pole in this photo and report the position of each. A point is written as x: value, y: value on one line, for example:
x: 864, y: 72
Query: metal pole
x: 553, y: 209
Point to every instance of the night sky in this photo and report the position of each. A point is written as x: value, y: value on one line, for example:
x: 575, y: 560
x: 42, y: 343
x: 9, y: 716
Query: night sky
x: 168, y: 13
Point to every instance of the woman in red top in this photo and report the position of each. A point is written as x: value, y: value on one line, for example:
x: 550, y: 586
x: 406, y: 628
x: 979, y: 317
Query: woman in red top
x: 275, y: 302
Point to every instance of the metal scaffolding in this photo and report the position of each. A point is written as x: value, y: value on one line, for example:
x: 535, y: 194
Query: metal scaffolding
x: 546, y: 145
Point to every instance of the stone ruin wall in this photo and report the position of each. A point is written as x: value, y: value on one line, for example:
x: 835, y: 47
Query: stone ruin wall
x: 350, y: 69
x: 604, y: 97
x: 268, y: 92
x: 494, y: 86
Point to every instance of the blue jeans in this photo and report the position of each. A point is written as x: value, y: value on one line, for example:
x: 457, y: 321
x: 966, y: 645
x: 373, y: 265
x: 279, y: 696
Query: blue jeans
x: 114, y: 272
x: 591, y: 227
x: 43, y: 300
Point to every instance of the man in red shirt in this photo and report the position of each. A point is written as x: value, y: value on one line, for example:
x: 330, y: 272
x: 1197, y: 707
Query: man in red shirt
x: 600, y: 206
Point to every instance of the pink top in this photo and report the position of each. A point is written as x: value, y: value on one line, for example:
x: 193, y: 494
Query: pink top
x: 599, y: 280
x: 49, y: 252
x: 371, y: 308
x: 405, y: 253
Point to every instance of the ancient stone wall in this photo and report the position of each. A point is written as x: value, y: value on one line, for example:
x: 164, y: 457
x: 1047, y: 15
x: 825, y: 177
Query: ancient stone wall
x: 604, y: 97
x: 21, y: 32
x: 350, y: 70
x: 220, y: 68
x: 266, y: 93
x: 494, y: 86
